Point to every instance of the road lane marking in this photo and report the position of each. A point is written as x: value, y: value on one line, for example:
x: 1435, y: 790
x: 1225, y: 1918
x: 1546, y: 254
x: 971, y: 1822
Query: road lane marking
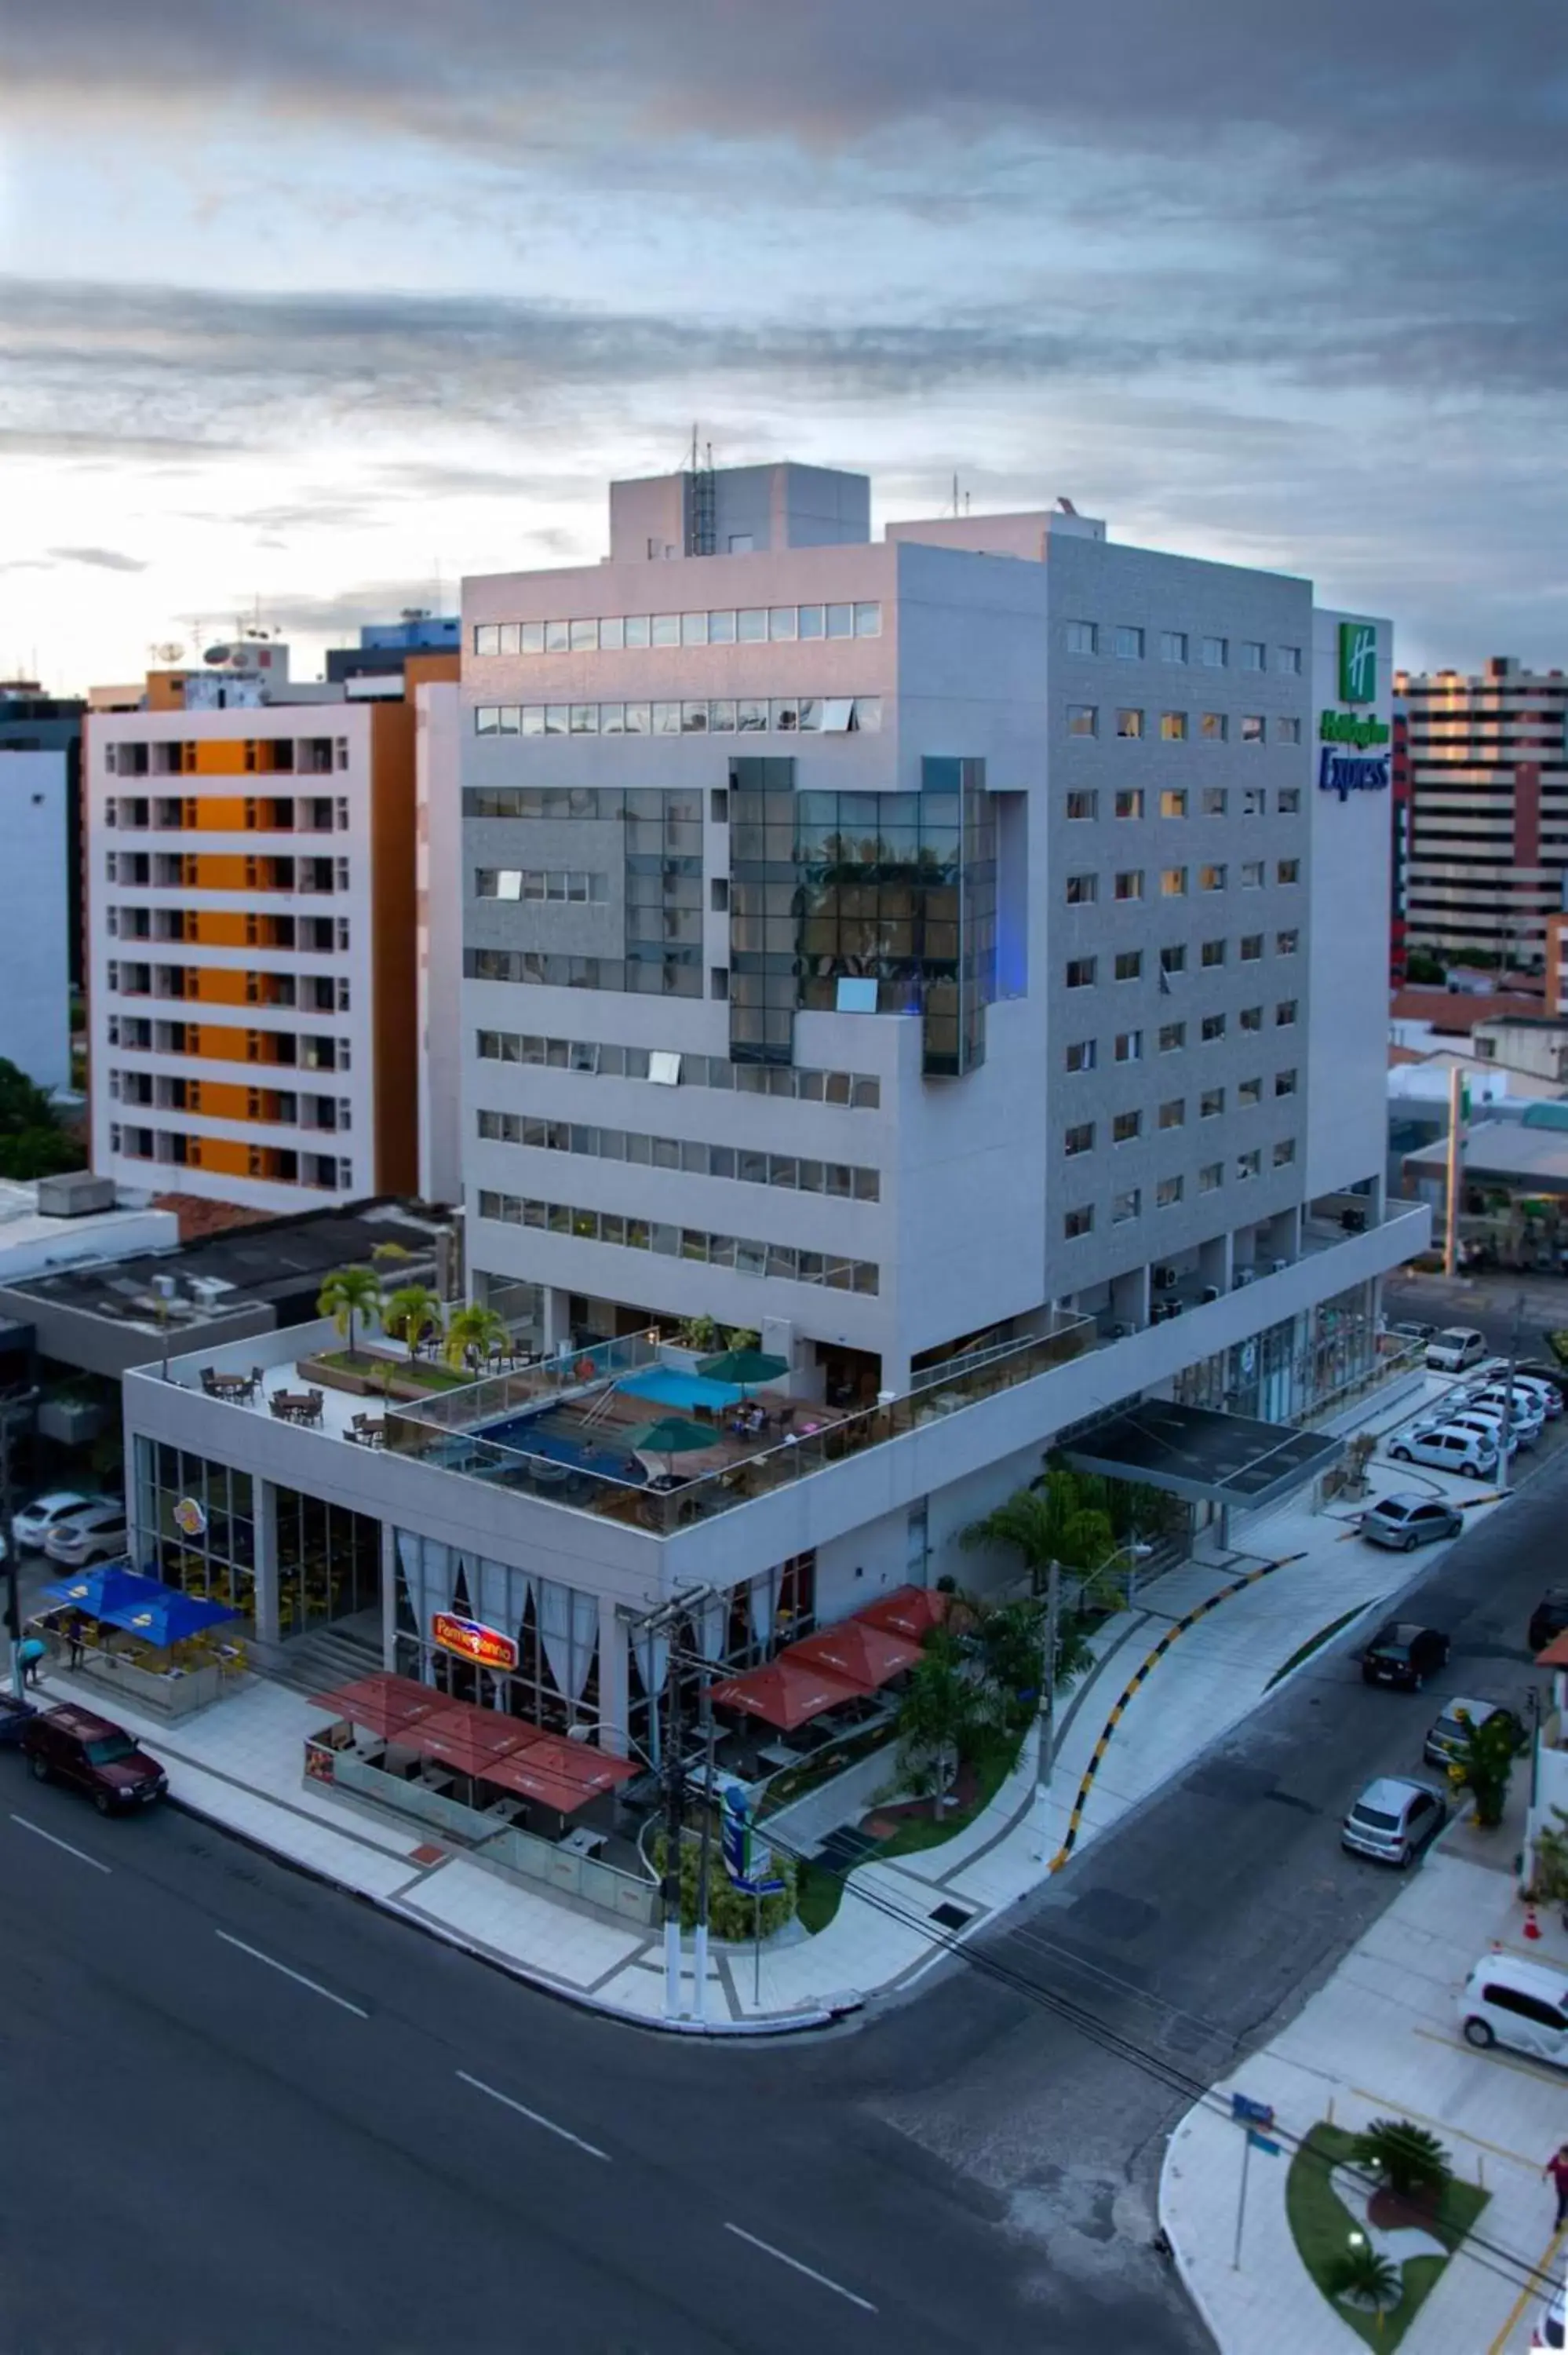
x: 80, y: 1853
x: 810, y: 2271
x: 298, y: 1977
x: 533, y: 2117
x: 1531, y: 2291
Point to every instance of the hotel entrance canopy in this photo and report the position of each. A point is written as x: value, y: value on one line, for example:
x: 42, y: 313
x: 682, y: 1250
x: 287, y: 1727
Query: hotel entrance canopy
x: 1207, y: 1457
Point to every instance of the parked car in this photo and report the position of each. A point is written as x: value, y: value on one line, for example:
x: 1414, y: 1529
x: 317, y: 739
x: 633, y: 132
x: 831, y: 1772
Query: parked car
x: 35, y: 1521
x: 1404, y: 1653
x: 1393, y: 1820
x: 1448, y: 1450
x: 1406, y: 1331
x: 1547, y: 1393
x: 1448, y: 1736
x: 1406, y: 1520
x: 1526, y: 1416
x: 1510, y: 2001
x: 1550, y: 2327
x: 1547, y: 1619
x: 1457, y: 1347
x: 96, y: 1533
x: 1542, y: 1369
x: 1485, y: 1422
x: 99, y: 1756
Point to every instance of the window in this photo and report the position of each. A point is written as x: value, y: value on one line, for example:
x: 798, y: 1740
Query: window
x: 1082, y: 890
x: 1126, y: 1126
x: 1213, y: 652
x: 1083, y: 719
x: 1285, y: 1084
x: 1129, y: 801
x: 1212, y: 1028
x: 1081, y: 1055
x: 1172, y: 886
x: 1172, y: 1037
x: 1128, y: 723
x: 1173, y: 959
x: 1249, y: 1092
x: 1249, y: 1164
x: 1251, y: 873
x: 1251, y: 947
x: 1284, y: 1013
x: 1173, y: 727
x: 1083, y: 804
x: 1129, y: 642
x: 1167, y: 1190
x: 1125, y: 1206
x: 1080, y: 973
x: 1288, y: 800
x: 1288, y: 658
x: 1252, y: 656
x: 1173, y: 646
x: 1216, y: 799
x: 1251, y: 1018
x: 1286, y: 944
x: 1129, y: 883
x: 1211, y: 1176
x: 1129, y: 1046
x: 1129, y: 964
x: 1286, y: 728
x: 1289, y: 871
x: 1079, y: 1221
x: 1210, y: 1104
x: 1212, y: 878
x: 1213, y: 953
x: 1174, y: 1114
x: 1083, y: 638
x: 1254, y: 802
x: 1173, y: 801
x: 1251, y: 728
x: 1079, y: 1139
x: 1214, y: 726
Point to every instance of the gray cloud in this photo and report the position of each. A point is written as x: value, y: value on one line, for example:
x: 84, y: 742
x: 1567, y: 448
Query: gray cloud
x: 102, y: 559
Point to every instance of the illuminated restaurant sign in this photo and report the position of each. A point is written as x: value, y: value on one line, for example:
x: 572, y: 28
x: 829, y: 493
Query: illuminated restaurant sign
x: 471, y: 1640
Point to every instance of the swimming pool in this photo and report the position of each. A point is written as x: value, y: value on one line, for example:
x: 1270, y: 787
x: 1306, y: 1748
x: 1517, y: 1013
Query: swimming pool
x: 667, y: 1386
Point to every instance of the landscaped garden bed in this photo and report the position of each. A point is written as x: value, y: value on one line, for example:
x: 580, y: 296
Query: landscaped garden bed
x: 1331, y: 2237
x: 364, y: 1375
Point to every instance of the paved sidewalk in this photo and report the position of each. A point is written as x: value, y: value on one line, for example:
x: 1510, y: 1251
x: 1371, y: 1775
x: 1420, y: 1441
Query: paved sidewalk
x: 240, y: 1763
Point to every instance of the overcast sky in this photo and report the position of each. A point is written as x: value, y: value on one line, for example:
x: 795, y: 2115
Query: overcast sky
x: 323, y: 306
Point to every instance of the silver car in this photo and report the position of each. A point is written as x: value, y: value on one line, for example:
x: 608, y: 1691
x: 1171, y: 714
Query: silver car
x: 1408, y: 1520
x: 1393, y: 1820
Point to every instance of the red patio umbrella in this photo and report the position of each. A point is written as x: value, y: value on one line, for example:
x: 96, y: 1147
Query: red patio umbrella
x: 786, y: 1693
x: 867, y: 1656
x: 466, y: 1738
x: 516, y: 1772
x: 384, y: 1704
x: 589, y: 1770
x: 910, y: 1611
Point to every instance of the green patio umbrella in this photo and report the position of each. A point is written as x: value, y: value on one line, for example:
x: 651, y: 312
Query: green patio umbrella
x: 745, y: 1368
x: 671, y: 1435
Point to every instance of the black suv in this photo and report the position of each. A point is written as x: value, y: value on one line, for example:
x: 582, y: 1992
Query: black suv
x: 1547, y: 1619
x: 97, y: 1756
x: 1403, y: 1653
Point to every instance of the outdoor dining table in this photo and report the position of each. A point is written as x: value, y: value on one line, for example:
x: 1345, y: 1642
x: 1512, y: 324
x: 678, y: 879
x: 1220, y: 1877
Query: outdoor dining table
x: 229, y: 1385
x: 294, y: 1406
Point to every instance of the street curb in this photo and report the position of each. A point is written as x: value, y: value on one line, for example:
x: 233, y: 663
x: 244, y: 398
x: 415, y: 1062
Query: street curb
x: 1199, y: 2302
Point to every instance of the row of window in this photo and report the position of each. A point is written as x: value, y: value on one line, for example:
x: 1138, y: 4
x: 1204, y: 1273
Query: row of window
x: 1129, y: 1204
x: 1083, y: 972
x: 842, y: 1178
x: 653, y: 972
x: 271, y: 1050
x: 828, y: 715
x: 680, y: 814
x: 311, y: 756
x: 746, y: 1257
x: 1175, y: 801
x: 667, y: 1068
x: 538, y: 883
x: 1214, y: 726
x: 1129, y: 642
x: 278, y: 1163
x: 179, y: 812
x: 1213, y: 876
x: 1126, y: 1126
x: 313, y: 993
x: 1127, y: 1046
x: 750, y: 625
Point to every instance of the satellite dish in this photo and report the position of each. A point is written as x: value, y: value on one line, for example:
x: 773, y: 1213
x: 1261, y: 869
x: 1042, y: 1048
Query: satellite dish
x: 216, y: 655
x: 170, y: 651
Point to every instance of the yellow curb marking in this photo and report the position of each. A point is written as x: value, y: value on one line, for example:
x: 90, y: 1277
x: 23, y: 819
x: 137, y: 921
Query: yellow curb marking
x: 1534, y: 2289
x: 1425, y: 2117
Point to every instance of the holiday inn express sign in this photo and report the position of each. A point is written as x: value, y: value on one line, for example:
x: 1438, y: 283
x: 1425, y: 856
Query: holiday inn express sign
x: 1361, y: 767
x: 1358, y: 661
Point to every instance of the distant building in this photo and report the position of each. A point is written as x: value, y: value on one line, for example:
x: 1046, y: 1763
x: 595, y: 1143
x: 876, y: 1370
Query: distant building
x: 35, y: 867
x: 378, y: 661
x: 32, y: 721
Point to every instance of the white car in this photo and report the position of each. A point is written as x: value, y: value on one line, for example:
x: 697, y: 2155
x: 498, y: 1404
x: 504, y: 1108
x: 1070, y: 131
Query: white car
x: 1524, y: 1415
x: 1457, y: 1347
x: 1486, y: 1422
x: 1550, y: 2327
x: 97, y: 1533
x: 1448, y: 1450
x: 1547, y: 1395
x: 35, y: 1521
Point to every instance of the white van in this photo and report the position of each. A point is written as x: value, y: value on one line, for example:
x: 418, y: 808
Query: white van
x: 1457, y: 1347
x: 1524, y: 2005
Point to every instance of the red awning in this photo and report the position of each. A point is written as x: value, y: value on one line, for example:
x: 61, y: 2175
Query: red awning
x: 911, y: 1611
x: 787, y: 1692
x: 516, y: 1772
x: 384, y: 1704
x: 467, y: 1737
x: 587, y: 1769
x: 867, y: 1656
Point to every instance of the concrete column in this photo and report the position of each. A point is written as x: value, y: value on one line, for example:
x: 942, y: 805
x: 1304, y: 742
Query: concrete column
x: 389, y: 1596
x: 266, y: 1527
x: 614, y: 1680
x: 1214, y: 1262
x: 557, y: 1329
x: 894, y: 1374
x: 1129, y: 1299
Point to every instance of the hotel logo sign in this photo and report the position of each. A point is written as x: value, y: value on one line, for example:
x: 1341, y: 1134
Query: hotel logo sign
x: 487, y: 1647
x: 1358, y: 661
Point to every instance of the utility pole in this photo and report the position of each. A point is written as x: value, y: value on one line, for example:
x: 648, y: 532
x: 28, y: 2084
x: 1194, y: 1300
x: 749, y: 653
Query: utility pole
x: 1045, y: 1755
x: 8, y: 1408
x: 700, y: 1952
x: 1508, y: 1394
x: 666, y: 1620
x: 1456, y: 1109
x: 675, y: 1797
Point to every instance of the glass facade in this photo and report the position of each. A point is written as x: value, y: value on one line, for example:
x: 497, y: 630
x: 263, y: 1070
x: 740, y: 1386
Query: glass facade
x: 329, y: 1561
x: 221, y: 1560
x: 1294, y: 1368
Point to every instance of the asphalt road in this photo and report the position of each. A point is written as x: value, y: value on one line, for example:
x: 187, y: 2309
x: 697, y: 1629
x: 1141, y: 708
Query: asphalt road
x: 245, y: 2113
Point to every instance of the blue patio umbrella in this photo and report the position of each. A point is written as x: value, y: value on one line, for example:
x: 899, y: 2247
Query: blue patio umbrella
x: 166, y: 1616
x: 98, y: 1591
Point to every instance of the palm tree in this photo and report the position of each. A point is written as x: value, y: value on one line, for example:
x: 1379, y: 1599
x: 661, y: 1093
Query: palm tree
x: 347, y: 1296
x: 472, y: 1333
x: 1061, y: 1521
x: 410, y: 1314
x: 944, y: 1716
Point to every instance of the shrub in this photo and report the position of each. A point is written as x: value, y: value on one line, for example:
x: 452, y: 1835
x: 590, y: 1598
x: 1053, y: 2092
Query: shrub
x: 1362, y: 2274
x: 731, y: 1912
x: 1485, y: 1764
x: 1408, y: 2158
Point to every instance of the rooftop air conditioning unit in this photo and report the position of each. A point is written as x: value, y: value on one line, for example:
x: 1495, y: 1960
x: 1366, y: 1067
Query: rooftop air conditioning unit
x: 75, y: 1196
x: 1278, y: 1266
x: 1164, y: 1279
x: 1244, y: 1276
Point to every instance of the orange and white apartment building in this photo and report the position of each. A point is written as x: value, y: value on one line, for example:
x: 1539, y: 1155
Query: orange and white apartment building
x: 254, y: 937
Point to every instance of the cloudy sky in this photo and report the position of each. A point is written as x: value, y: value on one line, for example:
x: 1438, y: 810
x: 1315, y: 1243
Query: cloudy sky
x: 323, y: 305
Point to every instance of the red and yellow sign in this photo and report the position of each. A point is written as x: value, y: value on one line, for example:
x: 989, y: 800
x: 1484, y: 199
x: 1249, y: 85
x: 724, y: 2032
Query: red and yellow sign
x: 486, y: 1646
